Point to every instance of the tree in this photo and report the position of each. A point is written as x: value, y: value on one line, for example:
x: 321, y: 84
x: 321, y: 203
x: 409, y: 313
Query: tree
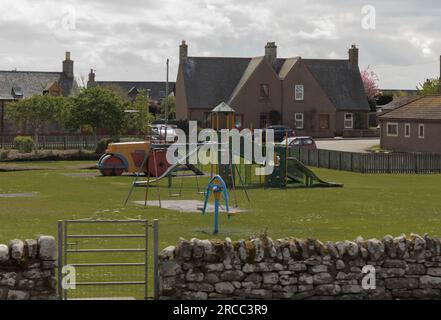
x: 429, y: 87
x: 98, y: 108
x: 138, y: 118
x: 38, y: 111
x: 370, y: 84
x: 170, y: 101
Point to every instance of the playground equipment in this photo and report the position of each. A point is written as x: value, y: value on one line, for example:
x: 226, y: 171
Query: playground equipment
x: 218, y: 187
x: 131, y: 157
x: 289, y: 171
x: 144, y: 157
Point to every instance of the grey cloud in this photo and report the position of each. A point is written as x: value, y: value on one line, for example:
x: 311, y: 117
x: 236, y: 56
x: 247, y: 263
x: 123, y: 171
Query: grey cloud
x: 131, y: 40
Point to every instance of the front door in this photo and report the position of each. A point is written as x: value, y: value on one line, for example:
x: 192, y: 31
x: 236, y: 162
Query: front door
x: 324, y: 122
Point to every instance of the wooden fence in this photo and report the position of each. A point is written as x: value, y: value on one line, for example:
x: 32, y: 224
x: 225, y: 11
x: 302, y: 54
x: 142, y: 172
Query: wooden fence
x: 370, y: 162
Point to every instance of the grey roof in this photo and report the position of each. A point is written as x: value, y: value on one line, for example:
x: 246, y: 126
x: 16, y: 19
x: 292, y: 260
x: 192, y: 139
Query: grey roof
x: 422, y: 108
x: 155, y: 87
x: 33, y: 83
x: 398, y: 102
x: 342, y: 84
x: 211, y: 80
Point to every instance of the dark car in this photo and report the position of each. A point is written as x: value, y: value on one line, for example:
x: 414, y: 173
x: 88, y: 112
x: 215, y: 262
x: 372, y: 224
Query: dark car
x: 300, y: 142
x: 280, y: 132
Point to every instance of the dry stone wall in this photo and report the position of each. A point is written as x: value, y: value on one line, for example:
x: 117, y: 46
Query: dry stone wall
x: 260, y: 268
x: 27, y: 269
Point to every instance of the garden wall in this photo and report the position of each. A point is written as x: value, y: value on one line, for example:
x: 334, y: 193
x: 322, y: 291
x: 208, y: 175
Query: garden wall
x: 260, y: 268
x: 27, y: 269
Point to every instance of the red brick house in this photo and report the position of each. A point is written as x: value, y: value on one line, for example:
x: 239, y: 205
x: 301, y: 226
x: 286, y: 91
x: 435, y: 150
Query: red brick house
x: 318, y: 97
x: 414, y: 126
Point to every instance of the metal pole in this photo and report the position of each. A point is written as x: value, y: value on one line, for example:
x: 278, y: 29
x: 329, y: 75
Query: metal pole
x: 166, y: 102
x: 216, y: 216
x: 156, y: 258
x: 2, y: 120
x: 60, y: 260
x: 65, y: 254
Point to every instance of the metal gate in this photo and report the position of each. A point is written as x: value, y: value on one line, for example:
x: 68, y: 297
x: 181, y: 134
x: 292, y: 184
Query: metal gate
x: 106, y: 259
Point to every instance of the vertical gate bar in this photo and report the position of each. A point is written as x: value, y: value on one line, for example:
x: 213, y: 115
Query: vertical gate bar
x: 146, y: 268
x: 155, y: 259
x: 65, y: 253
x: 60, y: 259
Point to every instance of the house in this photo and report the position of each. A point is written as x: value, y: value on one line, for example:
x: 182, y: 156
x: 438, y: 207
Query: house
x: 130, y: 89
x: 318, y: 97
x: 414, y: 126
x: 16, y: 85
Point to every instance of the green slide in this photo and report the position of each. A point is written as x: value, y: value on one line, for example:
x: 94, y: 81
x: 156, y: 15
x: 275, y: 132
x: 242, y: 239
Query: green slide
x: 299, y: 173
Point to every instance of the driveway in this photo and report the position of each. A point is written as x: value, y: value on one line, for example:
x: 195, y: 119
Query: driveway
x: 352, y: 145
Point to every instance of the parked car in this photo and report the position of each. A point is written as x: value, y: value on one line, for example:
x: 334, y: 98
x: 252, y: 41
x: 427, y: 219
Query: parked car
x: 300, y: 142
x: 280, y: 132
x: 162, y: 132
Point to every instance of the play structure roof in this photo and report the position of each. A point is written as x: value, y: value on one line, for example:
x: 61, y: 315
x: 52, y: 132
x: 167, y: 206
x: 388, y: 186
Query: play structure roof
x: 223, y: 108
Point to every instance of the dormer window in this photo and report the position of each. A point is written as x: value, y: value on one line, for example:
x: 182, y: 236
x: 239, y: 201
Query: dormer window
x: 16, y: 92
x: 299, y: 92
x: 264, y: 91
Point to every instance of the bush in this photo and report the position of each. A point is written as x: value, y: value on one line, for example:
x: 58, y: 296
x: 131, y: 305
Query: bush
x: 4, y: 154
x: 24, y: 144
x: 102, y: 145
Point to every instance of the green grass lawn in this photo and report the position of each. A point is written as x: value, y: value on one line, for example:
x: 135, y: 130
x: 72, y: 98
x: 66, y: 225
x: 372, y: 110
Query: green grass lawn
x: 369, y: 205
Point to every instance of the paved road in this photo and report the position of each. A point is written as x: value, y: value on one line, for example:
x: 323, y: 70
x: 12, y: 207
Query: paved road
x: 354, y: 145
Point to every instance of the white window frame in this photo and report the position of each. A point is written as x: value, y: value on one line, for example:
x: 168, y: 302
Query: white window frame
x: 301, y: 120
x: 421, y: 125
x: 300, y: 94
x: 351, y: 120
x: 407, y: 125
x: 387, y: 129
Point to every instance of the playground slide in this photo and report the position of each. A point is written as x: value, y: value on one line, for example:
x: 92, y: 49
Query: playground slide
x: 298, y: 172
x: 172, y: 168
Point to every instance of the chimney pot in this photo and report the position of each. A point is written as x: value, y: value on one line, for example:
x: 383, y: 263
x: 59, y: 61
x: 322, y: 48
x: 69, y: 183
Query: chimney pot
x: 91, y: 80
x: 68, y: 66
x: 183, y: 52
x: 353, y: 57
x: 271, y: 53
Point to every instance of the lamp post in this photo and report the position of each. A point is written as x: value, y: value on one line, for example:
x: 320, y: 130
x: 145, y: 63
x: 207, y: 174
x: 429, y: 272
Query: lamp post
x: 166, y: 101
x: 2, y: 122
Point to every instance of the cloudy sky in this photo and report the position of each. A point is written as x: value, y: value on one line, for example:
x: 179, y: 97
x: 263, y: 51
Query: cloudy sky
x: 130, y: 40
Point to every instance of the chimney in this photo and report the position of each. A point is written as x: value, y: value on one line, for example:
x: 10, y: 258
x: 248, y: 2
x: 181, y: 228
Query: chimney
x: 353, y: 57
x: 91, y: 80
x: 68, y: 67
x: 271, y: 53
x: 183, y: 52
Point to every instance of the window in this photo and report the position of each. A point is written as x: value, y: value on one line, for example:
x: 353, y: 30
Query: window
x: 299, y: 120
x: 407, y: 130
x: 299, y: 92
x: 264, y: 91
x: 349, y: 121
x: 421, y: 131
x: 392, y: 129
